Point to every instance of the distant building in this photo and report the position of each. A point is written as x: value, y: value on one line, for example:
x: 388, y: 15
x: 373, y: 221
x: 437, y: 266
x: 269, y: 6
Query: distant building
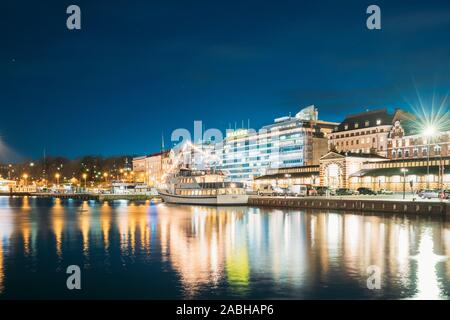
x: 365, y: 132
x: 150, y: 169
x: 7, y: 185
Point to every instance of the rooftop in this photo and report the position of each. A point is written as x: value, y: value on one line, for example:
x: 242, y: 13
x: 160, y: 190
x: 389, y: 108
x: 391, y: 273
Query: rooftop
x: 367, y: 119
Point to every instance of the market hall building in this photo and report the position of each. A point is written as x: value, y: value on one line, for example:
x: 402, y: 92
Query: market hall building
x: 398, y: 154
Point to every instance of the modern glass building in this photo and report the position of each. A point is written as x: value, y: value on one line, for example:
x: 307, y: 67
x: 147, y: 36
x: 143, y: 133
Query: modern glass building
x: 289, y: 142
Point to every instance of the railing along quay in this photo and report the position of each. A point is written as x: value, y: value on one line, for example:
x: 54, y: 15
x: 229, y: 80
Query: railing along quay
x: 363, y: 205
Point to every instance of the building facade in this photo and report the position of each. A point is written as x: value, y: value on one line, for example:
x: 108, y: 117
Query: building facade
x: 411, y: 174
x: 365, y: 132
x: 407, y: 142
x: 151, y: 168
x: 288, y: 142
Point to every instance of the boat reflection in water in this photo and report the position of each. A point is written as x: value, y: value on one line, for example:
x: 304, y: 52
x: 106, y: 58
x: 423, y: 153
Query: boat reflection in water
x: 142, y: 250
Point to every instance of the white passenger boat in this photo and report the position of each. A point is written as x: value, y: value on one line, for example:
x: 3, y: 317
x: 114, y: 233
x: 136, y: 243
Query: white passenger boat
x: 205, y: 187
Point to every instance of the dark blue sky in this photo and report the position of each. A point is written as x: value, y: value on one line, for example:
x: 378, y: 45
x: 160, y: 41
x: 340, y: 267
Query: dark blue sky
x: 139, y: 68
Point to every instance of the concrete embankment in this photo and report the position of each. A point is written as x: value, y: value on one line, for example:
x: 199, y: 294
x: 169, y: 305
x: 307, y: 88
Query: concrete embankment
x: 356, y: 205
x: 131, y: 197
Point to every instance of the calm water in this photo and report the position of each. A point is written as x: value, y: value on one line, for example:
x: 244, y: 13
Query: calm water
x: 144, y: 250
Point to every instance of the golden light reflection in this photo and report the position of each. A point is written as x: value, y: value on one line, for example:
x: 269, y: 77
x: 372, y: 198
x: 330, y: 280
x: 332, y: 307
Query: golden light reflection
x: 105, y: 223
x: 58, y: 224
x: 194, y: 241
x: 427, y: 260
x: 84, y: 223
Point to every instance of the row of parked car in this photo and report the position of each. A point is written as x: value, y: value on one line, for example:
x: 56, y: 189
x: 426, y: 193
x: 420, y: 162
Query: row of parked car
x: 434, y: 194
x: 307, y: 190
x: 361, y: 191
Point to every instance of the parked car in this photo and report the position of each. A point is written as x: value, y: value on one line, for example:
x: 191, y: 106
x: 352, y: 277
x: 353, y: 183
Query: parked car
x: 385, y: 191
x: 312, y: 191
x: 322, y: 191
x: 269, y: 190
x: 345, y: 192
x: 429, y: 194
x: 446, y: 194
x: 366, y: 191
x: 299, y: 190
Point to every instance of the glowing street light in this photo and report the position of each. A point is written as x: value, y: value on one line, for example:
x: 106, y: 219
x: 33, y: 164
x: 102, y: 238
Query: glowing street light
x: 84, y: 177
x: 25, y: 177
x: 57, y: 176
x: 429, y: 132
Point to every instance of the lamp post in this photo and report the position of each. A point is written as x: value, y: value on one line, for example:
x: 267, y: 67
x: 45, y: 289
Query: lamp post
x: 288, y: 176
x: 429, y: 132
x: 84, y: 177
x: 404, y: 171
x: 57, y: 178
x: 25, y: 177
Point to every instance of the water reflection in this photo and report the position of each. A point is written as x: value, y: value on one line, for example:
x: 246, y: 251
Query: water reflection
x: 202, y: 252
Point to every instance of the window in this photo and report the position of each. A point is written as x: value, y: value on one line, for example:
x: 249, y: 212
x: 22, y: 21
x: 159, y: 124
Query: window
x: 378, y: 122
x: 356, y: 125
x: 367, y: 123
x: 346, y: 127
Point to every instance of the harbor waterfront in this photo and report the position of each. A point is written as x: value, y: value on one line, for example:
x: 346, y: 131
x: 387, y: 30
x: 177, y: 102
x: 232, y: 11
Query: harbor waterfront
x: 142, y: 249
x: 382, y: 206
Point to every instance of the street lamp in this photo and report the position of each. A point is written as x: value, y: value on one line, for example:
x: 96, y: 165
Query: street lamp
x: 57, y: 178
x: 404, y: 171
x: 84, y: 177
x: 288, y: 176
x: 25, y: 177
x: 105, y: 174
x: 429, y: 132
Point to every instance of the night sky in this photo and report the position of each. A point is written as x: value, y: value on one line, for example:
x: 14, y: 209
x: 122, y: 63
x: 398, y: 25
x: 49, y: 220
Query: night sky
x: 140, y: 68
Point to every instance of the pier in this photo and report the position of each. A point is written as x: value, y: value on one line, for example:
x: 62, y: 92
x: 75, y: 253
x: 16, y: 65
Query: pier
x: 356, y: 205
